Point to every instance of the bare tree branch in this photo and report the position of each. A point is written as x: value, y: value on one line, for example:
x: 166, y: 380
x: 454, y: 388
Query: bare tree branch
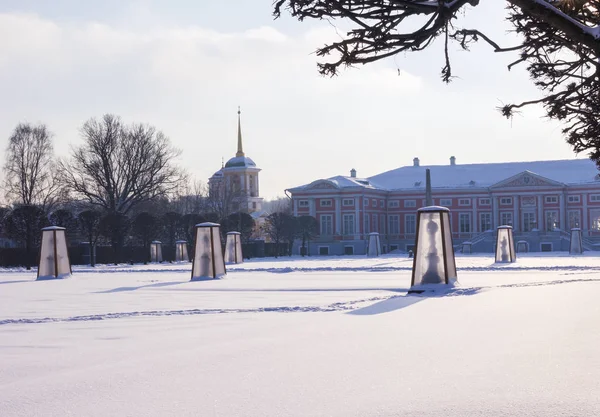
x: 119, y: 166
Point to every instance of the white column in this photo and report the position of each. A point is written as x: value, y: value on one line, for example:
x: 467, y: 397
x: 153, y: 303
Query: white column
x: 541, y: 222
x: 474, y: 222
x: 338, y: 216
x: 312, y: 207
x: 516, y: 220
x: 562, y: 218
x: 242, y: 182
x: 356, y: 218
x: 584, y: 218
x: 295, y: 205
x: 256, y: 185
x: 495, y: 219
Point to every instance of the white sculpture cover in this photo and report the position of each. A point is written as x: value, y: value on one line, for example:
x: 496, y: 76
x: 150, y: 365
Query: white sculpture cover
x: 433, y: 261
x: 181, y: 251
x: 208, y: 259
x: 233, y: 248
x: 576, y: 244
x: 505, y: 245
x: 374, y: 248
x: 54, y: 257
x: 156, y: 252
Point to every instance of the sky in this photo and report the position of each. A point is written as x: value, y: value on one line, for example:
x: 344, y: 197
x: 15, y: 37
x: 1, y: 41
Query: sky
x: 185, y: 66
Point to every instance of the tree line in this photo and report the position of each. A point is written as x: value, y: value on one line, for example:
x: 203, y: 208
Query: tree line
x: 120, y: 186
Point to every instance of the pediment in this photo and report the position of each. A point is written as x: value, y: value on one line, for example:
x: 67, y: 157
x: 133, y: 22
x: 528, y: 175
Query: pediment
x: 322, y: 185
x: 527, y: 179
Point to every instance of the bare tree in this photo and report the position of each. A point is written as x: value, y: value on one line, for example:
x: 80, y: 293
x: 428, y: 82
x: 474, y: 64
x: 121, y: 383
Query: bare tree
x: 29, y: 169
x: 89, y: 224
x: 225, y: 199
x: 119, y: 167
x: 560, y: 46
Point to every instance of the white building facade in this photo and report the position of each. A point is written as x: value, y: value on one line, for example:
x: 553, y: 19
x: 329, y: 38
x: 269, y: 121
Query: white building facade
x: 541, y: 200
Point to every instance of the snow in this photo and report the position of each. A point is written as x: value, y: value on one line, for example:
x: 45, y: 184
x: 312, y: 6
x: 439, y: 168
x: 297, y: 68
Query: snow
x: 325, y: 336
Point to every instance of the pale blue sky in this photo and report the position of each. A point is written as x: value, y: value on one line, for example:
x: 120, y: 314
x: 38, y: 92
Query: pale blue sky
x: 185, y: 65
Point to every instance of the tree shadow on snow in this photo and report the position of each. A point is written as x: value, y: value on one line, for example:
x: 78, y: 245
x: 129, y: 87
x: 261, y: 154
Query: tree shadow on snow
x: 125, y: 289
x: 402, y: 301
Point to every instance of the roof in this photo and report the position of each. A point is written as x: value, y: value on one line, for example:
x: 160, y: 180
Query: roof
x: 239, y: 162
x: 560, y: 172
x: 569, y: 172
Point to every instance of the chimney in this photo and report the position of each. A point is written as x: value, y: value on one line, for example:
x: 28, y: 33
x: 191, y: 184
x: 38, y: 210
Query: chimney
x: 452, y: 160
x: 353, y: 173
x: 416, y: 162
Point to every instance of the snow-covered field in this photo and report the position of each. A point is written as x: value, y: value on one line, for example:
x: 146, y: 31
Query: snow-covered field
x: 331, y: 336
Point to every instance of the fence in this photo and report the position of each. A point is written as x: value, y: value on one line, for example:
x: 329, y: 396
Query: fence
x: 79, y: 255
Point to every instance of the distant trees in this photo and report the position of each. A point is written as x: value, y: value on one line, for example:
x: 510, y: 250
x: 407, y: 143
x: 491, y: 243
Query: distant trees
x: 29, y: 168
x: 114, y: 227
x: 308, y: 229
x: 239, y: 222
x: 144, y: 227
x: 23, y: 224
x: 120, y: 166
x: 281, y: 228
x: 88, y: 223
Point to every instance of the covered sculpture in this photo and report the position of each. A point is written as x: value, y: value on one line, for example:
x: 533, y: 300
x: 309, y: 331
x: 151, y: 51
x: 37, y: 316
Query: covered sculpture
x: 522, y: 246
x: 374, y: 248
x: 576, y: 244
x: 433, y: 264
x: 208, y: 259
x: 505, y: 244
x: 181, y: 251
x: 233, y: 248
x: 54, y: 258
x: 156, y: 251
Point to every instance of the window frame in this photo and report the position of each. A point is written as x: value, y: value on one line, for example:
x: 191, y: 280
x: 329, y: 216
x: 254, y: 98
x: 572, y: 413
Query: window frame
x: 464, y: 202
x: 321, y: 223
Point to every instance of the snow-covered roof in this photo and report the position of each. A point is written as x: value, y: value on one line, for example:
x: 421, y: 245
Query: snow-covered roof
x: 571, y: 171
x: 568, y: 172
x: 337, y: 182
x: 240, y: 161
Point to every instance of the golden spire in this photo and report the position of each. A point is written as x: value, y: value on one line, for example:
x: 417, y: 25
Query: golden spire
x: 240, y: 150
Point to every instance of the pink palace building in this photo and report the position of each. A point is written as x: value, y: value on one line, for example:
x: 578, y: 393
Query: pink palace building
x: 541, y: 200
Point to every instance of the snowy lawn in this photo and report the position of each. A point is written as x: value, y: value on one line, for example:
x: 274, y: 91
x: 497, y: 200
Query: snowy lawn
x: 334, y: 336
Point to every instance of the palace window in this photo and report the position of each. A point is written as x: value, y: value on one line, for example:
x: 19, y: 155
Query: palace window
x: 574, y: 199
x: 303, y: 203
x: 485, y: 222
x: 326, y: 203
x: 410, y: 203
x: 505, y: 201
x: 551, y: 220
x: 446, y: 202
x: 348, y: 224
x: 394, y: 227
x: 393, y: 204
x: 506, y: 219
x: 574, y: 219
x: 410, y: 223
x: 348, y: 202
x: 464, y: 222
x: 464, y: 201
x: 485, y: 202
x: 551, y: 199
x: 326, y: 224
